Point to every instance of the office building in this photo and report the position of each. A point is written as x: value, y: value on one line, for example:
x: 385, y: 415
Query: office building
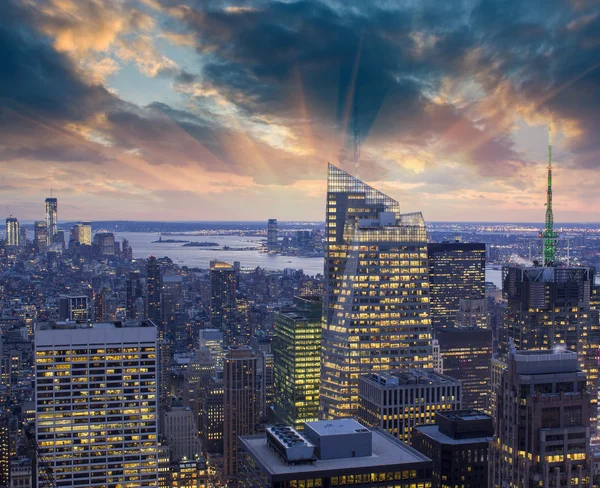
x: 51, y: 218
x: 104, y: 245
x: 82, y: 233
x: 199, y: 371
x: 40, y: 236
x: 542, y: 433
x: 72, y: 307
x: 330, y: 453
x: 549, y: 307
x: 96, y: 402
x: 189, y: 473
x: 154, y: 295
x: 222, y: 302
x: 272, y: 239
x: 297, y: 355
x: 458, y: 444
x: 397, y: 401
x: 134, y: 296
x: 12, y: 232
x: 241, y: 403
x: 181, y: 433
x: 212, y: 339
x: 456, y: 272
x: 472, y: 313
x: 376, y: 307
x: 212, y: 414
x: 467, y: 355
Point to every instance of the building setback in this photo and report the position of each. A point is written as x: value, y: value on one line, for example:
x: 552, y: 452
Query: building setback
x: 397, y: 401
x: 458, y: 444
x: 542, y: 435
x: 330, y: 453
x: 96, y: 405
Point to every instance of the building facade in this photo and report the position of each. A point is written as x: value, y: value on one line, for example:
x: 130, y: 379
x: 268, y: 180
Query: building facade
x: 458, y: 444
x: 12, y: 232
x: 51, y: 218
x: 397, y: 401
x: 467, y: 355
x: 96, y: 404
x: 272, y: 239
x: 376, y: 308
x: 223, y: 287
x: 456, y: 272
x: 241, y: 404
x: 181, y: 433
x: 296, y: 351
x: 73, y: 307
x: 542, y: 435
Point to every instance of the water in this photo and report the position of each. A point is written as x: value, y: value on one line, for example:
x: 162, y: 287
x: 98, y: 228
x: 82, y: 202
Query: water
x: 198, y: 257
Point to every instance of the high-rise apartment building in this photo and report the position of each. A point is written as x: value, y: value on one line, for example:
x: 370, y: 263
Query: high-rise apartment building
x: 12, y: 231
x: 297, y: 354
x: 96, y: 405
x: 51, y: 218
x: 458, y: 444
x: 223, y: 286
x: 376, y: 309
x: 542, y: 435
x: 456, y: 272
x: 549, y: 307
x: 467, y: 354
x: 397, y: 401
x: 71, y: 307
x: 40, y: 236
x: 272, y: 240
x: 241, y: 403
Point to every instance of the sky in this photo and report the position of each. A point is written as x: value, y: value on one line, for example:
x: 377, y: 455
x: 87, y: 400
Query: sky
x: 231, y: 110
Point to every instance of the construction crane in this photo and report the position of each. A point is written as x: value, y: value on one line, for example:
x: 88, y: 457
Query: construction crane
x: 44, y: 468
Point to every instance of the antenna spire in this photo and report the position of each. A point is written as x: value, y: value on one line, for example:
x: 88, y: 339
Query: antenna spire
x: 549, y: 235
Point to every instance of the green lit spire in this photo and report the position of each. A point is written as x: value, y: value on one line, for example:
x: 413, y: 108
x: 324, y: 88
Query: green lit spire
x: 548, y: 234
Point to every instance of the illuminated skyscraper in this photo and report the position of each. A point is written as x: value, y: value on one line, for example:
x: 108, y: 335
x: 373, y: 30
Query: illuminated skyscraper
x: 51, y: 218
x: 12, y: 231
x: 297, y: 352
x: 456, y: 272
x: 222, y: 301
x: 154, y: 286
x: 376, y: 310
x: 272, y: 242
x: 82, y: 233
x: 96, y: 405
x: 241, y: 403
x: 548, y: 307
x: 40, y: 236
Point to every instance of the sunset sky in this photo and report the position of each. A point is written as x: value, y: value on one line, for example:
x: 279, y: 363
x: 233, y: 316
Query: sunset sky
x: 230, y: 110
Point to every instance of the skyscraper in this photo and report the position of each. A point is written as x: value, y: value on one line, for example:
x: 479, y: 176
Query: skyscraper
x: 549, y: 307
x: 51, y: 218
x: 12, y: 231
x: 272, y: 242
x: 222, y: 301
x: 71, y: 307
x: 542, y: 434
x: 82, y: 233
x: 40, y: 236
x: 297, y: 354
x: 154, y: 287
x: 241, y: 403
x: 96, y: 403
x: 376, y: 310
x: 456, y: 272
x: 133, y: 293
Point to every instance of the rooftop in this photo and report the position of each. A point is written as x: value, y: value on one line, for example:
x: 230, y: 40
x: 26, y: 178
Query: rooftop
x: 387, y: 451
x: 409, y: 377
x: 337, y: 427
x: 433, y: 431
x: 82, y: 324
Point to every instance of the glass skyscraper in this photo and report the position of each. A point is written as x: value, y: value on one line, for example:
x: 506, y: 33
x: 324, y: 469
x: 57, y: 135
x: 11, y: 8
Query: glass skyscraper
x: 223, y: 285
x: 51, y: 218
x: 297, y: 352
x: 376, y: 314
x: 456, y: 273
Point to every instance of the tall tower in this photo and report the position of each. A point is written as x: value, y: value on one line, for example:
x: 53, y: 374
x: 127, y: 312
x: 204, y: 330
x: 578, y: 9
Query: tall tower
x: 154, y: 285
x: 12, y: 231
x: 376, y: 311
x: 51, y: 217
x: 272, y: 243
x: 223, y: 285
x: 241, y: 403
x: 548, y: 234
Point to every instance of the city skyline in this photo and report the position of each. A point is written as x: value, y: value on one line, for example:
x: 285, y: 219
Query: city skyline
x: 155, y: 110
